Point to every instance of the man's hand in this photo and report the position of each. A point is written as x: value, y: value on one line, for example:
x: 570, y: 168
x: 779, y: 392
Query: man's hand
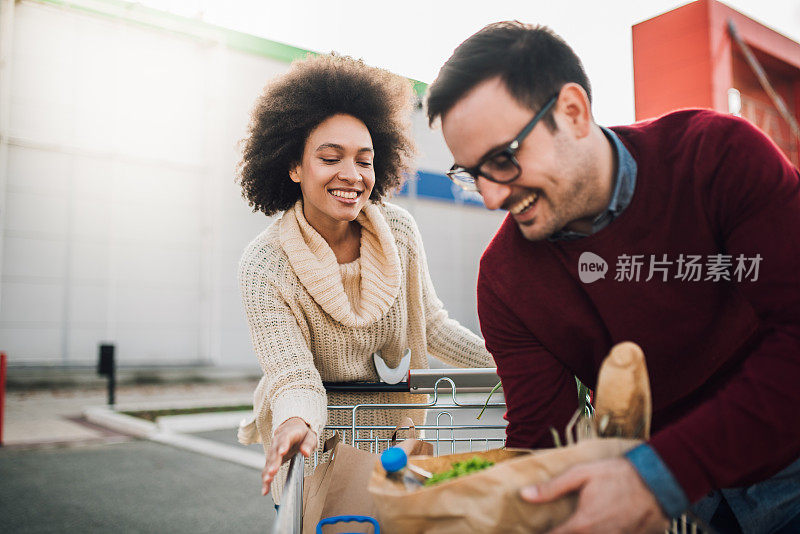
x: 612, y: 498
x: 291, y: 436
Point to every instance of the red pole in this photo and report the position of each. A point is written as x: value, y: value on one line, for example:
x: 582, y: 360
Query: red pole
x: 2, y: 392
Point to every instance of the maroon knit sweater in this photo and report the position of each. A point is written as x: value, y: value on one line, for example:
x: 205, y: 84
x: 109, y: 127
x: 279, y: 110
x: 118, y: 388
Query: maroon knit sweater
x: 723, y: 357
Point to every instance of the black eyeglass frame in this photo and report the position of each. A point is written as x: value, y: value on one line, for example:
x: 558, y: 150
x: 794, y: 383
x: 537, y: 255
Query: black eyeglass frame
x: 510, y: 151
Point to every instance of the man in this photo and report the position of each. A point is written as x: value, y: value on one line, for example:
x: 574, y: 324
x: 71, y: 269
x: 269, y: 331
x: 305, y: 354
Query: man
x: 680, y: 234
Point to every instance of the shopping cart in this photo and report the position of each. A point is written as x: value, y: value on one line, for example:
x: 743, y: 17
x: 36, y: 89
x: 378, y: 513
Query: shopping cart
x: 456, y: 398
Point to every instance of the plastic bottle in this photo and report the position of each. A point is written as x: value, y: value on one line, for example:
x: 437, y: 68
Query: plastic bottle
x: 395, y: 462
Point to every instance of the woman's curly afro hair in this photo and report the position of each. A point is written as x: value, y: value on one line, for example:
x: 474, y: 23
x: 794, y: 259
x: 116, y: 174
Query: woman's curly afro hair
x: 295, y: 103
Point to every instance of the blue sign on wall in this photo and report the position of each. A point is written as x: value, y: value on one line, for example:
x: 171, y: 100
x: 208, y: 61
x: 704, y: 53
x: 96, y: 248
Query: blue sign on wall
x: 439, y: 187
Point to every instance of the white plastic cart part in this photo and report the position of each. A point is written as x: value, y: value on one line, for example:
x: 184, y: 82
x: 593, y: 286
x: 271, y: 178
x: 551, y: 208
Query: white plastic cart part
x: 389, y: 375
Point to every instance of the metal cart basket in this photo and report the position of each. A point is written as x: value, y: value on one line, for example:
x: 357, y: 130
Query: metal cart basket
x: 456, y: 397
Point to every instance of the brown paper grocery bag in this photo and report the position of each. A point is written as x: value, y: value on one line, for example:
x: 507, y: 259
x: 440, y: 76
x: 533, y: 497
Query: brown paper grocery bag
x: 339, y: 487
x: 487, y: 501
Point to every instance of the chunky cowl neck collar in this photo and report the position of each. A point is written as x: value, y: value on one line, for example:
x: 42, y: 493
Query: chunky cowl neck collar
x: 314, y: 263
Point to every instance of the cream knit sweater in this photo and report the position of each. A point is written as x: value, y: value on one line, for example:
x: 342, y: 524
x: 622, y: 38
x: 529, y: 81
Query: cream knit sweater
x: 313, y: 320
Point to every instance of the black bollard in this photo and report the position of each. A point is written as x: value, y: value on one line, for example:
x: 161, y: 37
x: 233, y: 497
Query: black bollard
x: 106, y: 367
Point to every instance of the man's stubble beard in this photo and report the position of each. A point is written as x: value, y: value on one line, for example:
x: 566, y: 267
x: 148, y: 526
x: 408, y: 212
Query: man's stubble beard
x: 573, y: 203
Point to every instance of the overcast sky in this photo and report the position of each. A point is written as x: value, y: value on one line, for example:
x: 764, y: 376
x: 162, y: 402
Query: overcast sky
x: 414, y: 38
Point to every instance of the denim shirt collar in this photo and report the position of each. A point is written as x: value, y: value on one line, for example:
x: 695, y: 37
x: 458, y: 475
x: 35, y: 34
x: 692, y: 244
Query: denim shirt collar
x: 624, y: 185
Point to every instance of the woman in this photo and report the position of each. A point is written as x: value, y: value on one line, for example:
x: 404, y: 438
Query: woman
x: 340, y: 275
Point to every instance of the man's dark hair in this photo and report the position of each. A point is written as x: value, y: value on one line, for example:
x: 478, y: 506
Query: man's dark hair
x: 296, y: 102
x: 533, y: 62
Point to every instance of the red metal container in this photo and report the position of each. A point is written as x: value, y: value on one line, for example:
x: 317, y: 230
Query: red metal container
x: 3, y: 368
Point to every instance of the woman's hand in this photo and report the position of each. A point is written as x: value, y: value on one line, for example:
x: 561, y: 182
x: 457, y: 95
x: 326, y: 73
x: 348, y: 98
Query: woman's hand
x: 291, y: 436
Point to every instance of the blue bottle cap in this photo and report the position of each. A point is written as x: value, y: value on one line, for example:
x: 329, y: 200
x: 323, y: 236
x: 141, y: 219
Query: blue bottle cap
x: 394, y: 459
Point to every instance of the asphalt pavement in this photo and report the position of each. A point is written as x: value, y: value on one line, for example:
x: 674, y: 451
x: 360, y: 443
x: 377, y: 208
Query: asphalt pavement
x: 131, y: 486
x: 59, y: 473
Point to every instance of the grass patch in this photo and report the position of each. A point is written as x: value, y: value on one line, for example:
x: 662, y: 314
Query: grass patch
x: 151, y: 415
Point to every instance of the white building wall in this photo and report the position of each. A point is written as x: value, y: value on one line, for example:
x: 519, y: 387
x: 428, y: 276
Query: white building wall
x: 123, y: 222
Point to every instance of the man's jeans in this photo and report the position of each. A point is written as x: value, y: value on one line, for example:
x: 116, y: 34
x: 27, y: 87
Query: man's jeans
x: 771, y: 506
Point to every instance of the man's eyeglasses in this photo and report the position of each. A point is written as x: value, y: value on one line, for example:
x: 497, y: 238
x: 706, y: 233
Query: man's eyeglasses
x: 500, y: 166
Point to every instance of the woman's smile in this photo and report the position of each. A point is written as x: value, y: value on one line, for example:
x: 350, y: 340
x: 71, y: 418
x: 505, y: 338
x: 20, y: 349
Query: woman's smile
x: 346, y: 196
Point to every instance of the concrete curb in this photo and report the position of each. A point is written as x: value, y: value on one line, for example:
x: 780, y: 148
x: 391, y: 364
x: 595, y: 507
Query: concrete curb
x: 120, y: 422
x: 110, y: 418
x: 207, y: 447
x: 201, y: 422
